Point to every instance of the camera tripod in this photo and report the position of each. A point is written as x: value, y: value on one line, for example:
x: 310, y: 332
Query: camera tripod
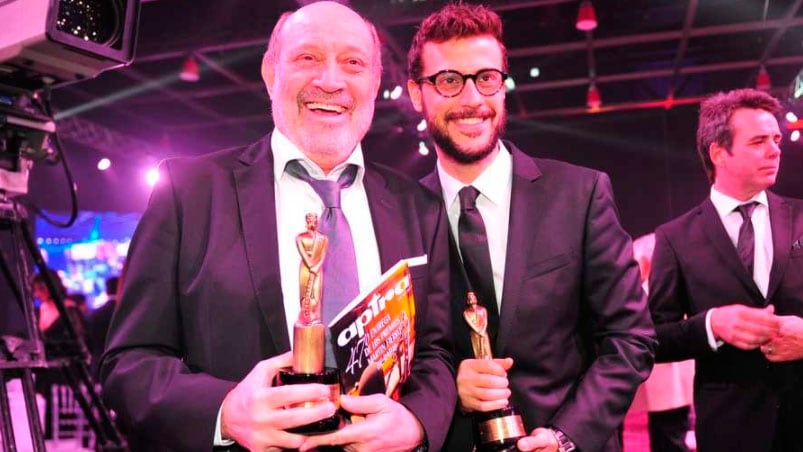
x: 21, y: 356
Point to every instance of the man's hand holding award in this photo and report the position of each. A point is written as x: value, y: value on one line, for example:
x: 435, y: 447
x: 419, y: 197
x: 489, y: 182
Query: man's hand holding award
x: 497, y: 425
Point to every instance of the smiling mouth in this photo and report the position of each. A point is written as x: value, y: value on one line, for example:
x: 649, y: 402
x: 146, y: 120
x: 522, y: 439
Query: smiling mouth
x: 470, y: 121
x: 327, y: 108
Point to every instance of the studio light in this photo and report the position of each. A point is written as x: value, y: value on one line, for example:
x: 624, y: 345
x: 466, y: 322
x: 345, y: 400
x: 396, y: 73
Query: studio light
x: 593, y: 98
x: 586, y: 17
x: 763, y: 81
x: 190, y: 72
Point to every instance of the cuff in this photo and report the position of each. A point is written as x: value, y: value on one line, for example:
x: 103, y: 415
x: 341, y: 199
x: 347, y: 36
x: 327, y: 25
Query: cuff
x: 709, y: 333
x: 219, y: 441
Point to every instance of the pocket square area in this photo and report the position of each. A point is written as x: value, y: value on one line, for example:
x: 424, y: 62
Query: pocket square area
x: 798, y: 244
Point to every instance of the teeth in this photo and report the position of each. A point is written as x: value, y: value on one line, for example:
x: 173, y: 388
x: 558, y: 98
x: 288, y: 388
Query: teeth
x: 326, y: 107
x: 470, y: 120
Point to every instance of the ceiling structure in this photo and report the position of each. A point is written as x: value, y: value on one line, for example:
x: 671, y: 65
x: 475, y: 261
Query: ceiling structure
x: 644, y: 54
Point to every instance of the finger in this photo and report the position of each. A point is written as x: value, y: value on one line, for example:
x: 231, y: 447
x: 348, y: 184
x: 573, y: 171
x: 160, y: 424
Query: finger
x: 759, y: 318
x: 290, y: 395
x: 272, y: 366
x: 336, y: 438
x: 482, y: 381
x: 491, y: 405
x: 540, y: 438
x: 364, y: 405
x: 281, y: 440
x: 505, y: 363
x: 472, y: 403
x: 482, y: 366
x: 283, y: 419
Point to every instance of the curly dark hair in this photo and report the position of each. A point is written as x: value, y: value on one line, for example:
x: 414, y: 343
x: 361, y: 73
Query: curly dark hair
x: 455, y: 20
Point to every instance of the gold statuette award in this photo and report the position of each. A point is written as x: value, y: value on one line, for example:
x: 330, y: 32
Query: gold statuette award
x: 309, y: 332
x: 496, y: 430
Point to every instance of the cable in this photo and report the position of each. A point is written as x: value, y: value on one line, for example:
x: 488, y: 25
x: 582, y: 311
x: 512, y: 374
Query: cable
x: 62, y: 157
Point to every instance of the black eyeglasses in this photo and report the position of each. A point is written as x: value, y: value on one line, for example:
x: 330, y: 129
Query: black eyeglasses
x: 449, y: 83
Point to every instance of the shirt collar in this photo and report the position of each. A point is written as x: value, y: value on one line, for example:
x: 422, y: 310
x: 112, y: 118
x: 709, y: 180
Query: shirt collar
x: 285, y: 151
x: 724, y: 204
x: 493, y: 182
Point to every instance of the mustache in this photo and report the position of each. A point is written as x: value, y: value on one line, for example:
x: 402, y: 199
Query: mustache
x: 317, y: 95
x: 464, y: 113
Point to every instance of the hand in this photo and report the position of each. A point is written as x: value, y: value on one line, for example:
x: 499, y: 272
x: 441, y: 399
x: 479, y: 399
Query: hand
x: 540, y: 440
x: 482, y: 384
x: 744, y: 327
x: 387, y: 426
x: 254, y: 415
x: 787, y: 345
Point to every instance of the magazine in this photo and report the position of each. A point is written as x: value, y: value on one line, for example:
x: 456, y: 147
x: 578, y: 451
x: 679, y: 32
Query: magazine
x: 373, y: 338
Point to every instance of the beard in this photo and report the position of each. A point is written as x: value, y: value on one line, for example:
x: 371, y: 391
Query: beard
x: 316, y: 139
x: 461, y: 154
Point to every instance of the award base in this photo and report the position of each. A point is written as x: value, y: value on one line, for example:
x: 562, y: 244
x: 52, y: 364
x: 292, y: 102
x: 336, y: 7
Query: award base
x: 498, y: 430
x: 330, y: 377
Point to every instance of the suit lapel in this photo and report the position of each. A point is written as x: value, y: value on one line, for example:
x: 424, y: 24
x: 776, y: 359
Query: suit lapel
x: 257, y: 207
x: 385, y: 211
x: 781, y: 225
x: 526, y: 196
x: 718, y: 237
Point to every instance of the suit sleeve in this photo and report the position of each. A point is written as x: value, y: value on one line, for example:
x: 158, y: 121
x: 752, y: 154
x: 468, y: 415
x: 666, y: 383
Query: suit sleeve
x: 430, y: 393
x: 679, y: 338
x: 614, y: 311
x: 144, y: 377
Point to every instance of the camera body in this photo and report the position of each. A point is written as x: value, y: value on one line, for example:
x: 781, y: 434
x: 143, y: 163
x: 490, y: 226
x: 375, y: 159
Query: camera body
x: 60, y: 41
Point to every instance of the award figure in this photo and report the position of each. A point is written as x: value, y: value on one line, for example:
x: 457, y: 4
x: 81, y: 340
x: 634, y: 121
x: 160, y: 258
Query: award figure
x: 309, y: 332
x: 496, y: 430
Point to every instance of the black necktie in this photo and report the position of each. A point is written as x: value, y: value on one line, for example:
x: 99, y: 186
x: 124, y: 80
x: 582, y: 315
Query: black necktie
x: 476, y: 257
x: 340, y: 279
x: 745, y: 245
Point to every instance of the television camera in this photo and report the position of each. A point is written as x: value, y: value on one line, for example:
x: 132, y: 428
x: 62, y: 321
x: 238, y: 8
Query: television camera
x: 46, y: 44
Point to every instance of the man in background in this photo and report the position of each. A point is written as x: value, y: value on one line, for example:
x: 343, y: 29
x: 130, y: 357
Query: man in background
x: 726, y: 286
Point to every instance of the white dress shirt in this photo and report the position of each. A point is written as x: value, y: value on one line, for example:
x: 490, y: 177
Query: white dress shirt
x: 732, y: 220
x: 494, y: 184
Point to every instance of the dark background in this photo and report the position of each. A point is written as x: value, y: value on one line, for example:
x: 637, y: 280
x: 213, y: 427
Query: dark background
x: 645, y: 56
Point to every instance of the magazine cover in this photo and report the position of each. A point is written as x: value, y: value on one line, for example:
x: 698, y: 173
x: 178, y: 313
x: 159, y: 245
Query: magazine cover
x: 373, y: 338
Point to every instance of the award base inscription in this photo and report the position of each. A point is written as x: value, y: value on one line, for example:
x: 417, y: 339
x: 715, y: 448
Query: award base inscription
x: 498, y: 430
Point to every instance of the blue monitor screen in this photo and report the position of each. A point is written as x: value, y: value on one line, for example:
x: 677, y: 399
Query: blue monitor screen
x: 91, y: 250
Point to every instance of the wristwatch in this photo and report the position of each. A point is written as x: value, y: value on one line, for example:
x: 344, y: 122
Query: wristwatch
x: 564, y: 443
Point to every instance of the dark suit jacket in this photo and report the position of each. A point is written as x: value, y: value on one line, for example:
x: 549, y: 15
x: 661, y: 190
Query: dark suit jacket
x: 574, y: 318
x: 695, y: 267
x: 203, y: 303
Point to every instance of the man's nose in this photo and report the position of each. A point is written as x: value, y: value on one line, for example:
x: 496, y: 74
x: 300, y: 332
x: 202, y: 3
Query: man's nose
x: 331, y: 77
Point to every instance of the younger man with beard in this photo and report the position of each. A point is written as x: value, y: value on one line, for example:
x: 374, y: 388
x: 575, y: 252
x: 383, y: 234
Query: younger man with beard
x: 548, y: 258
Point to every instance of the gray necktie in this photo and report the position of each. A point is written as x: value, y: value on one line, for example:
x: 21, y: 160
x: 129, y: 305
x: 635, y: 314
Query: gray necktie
x: 745, y: 244
x: 340, y: 280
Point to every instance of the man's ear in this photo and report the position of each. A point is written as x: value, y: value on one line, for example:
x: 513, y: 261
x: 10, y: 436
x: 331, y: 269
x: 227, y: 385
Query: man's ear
x: 414, y: 90
x: 268, y: 74
x: 716, y: 153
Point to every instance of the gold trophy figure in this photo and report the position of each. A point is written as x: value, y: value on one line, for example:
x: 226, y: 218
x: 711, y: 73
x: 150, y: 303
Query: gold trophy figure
x: 496, y: 430
x: 309, y: 332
